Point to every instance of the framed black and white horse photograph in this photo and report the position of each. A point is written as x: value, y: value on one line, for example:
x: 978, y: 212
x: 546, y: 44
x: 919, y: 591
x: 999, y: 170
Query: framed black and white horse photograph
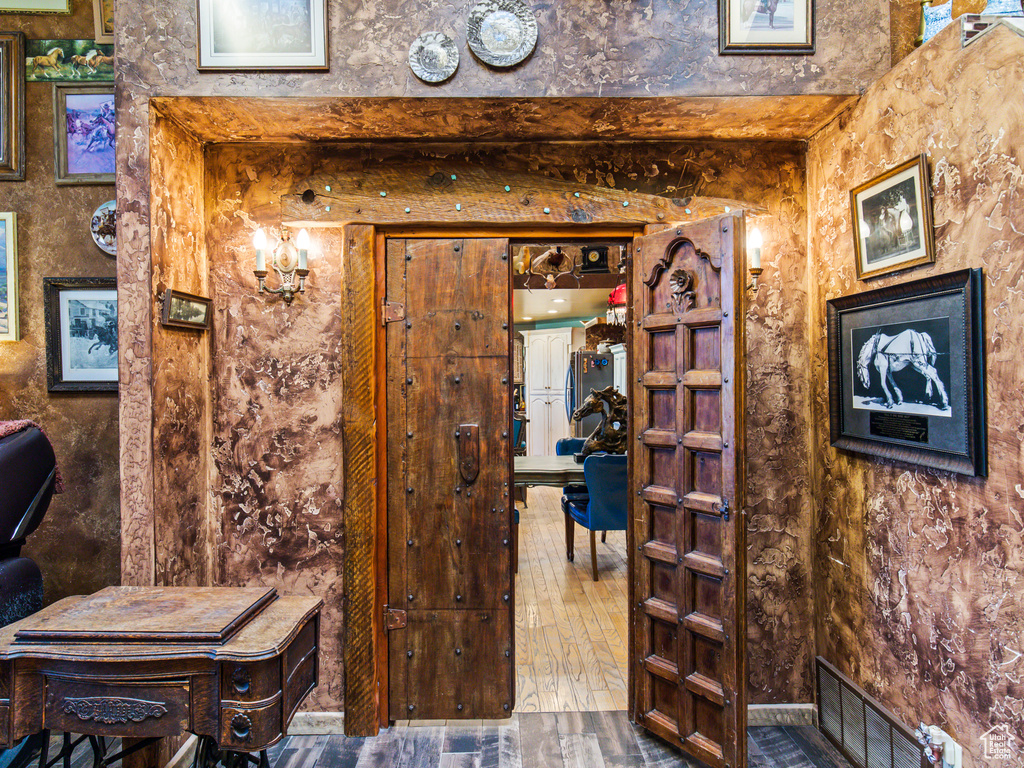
x: 892, y: 220
x: 906, y: 373
x: 80, y: 315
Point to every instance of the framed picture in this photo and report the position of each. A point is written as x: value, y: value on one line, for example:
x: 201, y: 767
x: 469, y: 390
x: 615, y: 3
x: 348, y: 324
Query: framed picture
x: 906, y: 372
x: 62, y: 60
x: 83, y: 133
x: 35, y: 6
x: 103, y: 20
x: 8, y: 277
x: 892, y: 220
x: 81, y: 333
x: 252, y: 34
x: 12, y: 107
x: 185, y: 310
x: 766, y: 26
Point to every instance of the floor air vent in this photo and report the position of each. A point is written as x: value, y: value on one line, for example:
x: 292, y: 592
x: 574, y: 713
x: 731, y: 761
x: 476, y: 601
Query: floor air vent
x: 861, y: 728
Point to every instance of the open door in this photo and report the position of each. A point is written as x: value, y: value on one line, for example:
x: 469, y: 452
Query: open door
x: 450, y: 597
x: 688, y: 644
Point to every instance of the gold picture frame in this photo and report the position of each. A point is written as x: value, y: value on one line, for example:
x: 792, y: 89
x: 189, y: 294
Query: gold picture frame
x: 35, y: 6
x: 103, y: 20
x: 12, y: 106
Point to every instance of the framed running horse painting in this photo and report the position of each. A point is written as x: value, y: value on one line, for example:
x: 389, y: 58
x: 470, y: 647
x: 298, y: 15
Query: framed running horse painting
x: 906, y: 372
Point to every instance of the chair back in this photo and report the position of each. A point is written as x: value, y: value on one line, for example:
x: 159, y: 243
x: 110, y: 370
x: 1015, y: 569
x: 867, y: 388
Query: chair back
x: 569, y: 446
x: 28, y: 468
x: 518, y: 432
x: 606, y: 476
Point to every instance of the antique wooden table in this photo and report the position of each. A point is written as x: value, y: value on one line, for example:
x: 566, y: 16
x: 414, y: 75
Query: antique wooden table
x: 231, y: 665
x: 547, y: 470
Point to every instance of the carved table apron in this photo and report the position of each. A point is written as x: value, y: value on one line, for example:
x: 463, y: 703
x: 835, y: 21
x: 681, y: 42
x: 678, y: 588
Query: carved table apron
x: 242, y: 692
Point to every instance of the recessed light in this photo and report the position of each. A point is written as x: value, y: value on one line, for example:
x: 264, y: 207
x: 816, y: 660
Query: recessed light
x: 552, y: 311
x: 527, y: 318
x: 558, y: 301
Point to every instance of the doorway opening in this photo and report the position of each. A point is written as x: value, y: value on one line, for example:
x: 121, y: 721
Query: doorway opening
x: 570, y: 339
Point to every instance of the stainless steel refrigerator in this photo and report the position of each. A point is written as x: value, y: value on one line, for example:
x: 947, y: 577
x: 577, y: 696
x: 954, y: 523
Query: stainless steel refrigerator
x: 589, y: 370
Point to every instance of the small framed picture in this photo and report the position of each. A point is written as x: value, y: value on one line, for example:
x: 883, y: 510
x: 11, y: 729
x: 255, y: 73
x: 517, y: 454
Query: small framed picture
x: 765, y: 26
x: 8, y: 277
x: 103, y: 20
x: 12, y: 107
x: 185, y: 310
x: 906, y: 372
x: 83, y: 133
x: 35, y: 6
x: 80, y: 314
x: 254, y: 34
x: 69, y: 61
x: 892, y: 220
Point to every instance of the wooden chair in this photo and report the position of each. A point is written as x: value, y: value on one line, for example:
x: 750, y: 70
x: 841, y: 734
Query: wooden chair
x: 606, y: 509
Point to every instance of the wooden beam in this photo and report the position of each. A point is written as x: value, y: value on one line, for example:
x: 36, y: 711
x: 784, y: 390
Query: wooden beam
x: 458, y: 194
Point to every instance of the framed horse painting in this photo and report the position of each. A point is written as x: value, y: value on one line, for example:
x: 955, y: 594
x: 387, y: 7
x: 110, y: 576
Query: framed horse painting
x: 83, y: 133
x: 892, y: 220
x: 906, y: 372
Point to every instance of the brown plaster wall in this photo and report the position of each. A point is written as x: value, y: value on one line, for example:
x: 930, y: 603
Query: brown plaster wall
x: 277, y: 480
x: 78, y: 544
x: 919, y: 572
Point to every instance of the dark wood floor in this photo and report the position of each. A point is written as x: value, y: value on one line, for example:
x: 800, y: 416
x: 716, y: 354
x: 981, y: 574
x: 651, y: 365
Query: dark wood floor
x: 541, y: 740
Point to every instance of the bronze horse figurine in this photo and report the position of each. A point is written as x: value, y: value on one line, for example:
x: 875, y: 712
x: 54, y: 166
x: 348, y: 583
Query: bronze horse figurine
x: 610, y: 434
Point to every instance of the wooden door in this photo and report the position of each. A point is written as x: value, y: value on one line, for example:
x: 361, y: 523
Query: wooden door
x: 450, y: 598
x: 688, y: 647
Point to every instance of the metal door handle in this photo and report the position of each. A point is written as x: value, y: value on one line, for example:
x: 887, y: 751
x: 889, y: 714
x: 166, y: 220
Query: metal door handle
x: 468, y: 436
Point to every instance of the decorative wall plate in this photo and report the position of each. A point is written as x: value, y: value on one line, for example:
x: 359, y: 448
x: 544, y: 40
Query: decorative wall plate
x: 104, y: 227
x: 502, y: 32
x: 433, y: 57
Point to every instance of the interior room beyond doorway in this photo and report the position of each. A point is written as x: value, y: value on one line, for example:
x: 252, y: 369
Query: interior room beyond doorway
x: 571, y: 599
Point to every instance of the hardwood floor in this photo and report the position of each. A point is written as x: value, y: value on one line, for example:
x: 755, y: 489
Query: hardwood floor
x: 570, y: 630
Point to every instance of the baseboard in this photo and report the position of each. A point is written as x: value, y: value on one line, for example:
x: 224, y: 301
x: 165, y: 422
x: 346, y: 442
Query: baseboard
x: 317, y: 723
x: 782, y: 714
x: 183, y: 757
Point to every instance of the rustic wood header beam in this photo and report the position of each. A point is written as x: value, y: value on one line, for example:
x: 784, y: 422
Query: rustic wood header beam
x: 456, y: 194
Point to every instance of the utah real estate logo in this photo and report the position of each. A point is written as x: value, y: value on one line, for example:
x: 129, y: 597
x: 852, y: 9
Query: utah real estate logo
x: 998, y: 742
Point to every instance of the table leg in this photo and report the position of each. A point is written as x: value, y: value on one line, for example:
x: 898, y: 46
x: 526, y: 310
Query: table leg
x: 147, y: 756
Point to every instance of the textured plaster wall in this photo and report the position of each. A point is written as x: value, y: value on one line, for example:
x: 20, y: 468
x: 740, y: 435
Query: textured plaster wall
x: 78, y: 544
x: 919, y: 573
x: 277, y: 482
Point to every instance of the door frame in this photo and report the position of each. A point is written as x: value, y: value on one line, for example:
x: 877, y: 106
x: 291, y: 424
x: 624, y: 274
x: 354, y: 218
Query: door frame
x: 371, y: 207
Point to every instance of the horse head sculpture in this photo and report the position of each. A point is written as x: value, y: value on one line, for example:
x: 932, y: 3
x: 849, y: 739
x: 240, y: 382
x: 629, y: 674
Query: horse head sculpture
x: 610, y: 435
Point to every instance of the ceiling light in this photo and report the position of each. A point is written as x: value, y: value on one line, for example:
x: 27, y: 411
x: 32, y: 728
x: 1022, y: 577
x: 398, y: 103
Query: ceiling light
x: 558, y: 301
x: 552, y: 311
x: 527, y: 318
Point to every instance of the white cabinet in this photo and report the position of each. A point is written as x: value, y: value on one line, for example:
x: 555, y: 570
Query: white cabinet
x: 619, y: 367
x: 547, y: 361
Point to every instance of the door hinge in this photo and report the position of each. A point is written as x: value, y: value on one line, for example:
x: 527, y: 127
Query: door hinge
x: 394, y: 618
x: 390, y: 311
x: 722, y: 508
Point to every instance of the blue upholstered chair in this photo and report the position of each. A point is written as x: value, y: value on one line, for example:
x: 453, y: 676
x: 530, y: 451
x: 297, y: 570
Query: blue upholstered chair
x: 570, y: 446
x: 606, y: 507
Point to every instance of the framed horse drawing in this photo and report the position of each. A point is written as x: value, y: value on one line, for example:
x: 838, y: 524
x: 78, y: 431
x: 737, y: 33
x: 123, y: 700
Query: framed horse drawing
x: 906, y: 372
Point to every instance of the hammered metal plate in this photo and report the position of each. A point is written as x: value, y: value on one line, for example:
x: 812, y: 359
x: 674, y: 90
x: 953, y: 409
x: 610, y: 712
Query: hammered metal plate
x: 501, y: 33
x: 433, y: 57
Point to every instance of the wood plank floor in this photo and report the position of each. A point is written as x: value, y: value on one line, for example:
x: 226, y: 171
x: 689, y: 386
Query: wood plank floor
x: 570, y: 630
x: 541, y: 740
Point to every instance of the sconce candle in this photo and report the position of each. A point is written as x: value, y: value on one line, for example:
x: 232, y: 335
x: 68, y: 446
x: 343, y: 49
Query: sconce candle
x: 302, y: 243
x: 259, y: 242
x: 755, y: 243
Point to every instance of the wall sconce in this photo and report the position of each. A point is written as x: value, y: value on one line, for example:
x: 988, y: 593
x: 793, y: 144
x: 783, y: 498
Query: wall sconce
x: 287, y: 260
x: 754, y: 242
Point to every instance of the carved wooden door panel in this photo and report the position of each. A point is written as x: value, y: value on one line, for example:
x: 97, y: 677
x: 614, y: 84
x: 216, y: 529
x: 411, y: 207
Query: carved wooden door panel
x: 688, y: 647
x: 450, y: 648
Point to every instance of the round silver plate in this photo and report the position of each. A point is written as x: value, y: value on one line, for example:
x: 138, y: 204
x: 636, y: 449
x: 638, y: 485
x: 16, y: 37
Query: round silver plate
x: 104, y: 228
x: 502, y: 32
x: 433, y: 57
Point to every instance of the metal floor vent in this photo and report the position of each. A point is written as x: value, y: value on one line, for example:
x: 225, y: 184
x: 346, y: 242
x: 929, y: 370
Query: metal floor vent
x: 867, y: 734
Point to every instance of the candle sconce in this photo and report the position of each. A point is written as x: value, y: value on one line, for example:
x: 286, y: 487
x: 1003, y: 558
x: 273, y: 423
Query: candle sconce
x: 288, y: 260
x: 754, y: 242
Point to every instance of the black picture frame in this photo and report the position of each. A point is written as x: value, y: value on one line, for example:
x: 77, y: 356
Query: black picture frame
x: 178, y: 310
x: 12, y: 106
x: 81, y: 343
x: 757, y: 34
x: 928, y: 336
